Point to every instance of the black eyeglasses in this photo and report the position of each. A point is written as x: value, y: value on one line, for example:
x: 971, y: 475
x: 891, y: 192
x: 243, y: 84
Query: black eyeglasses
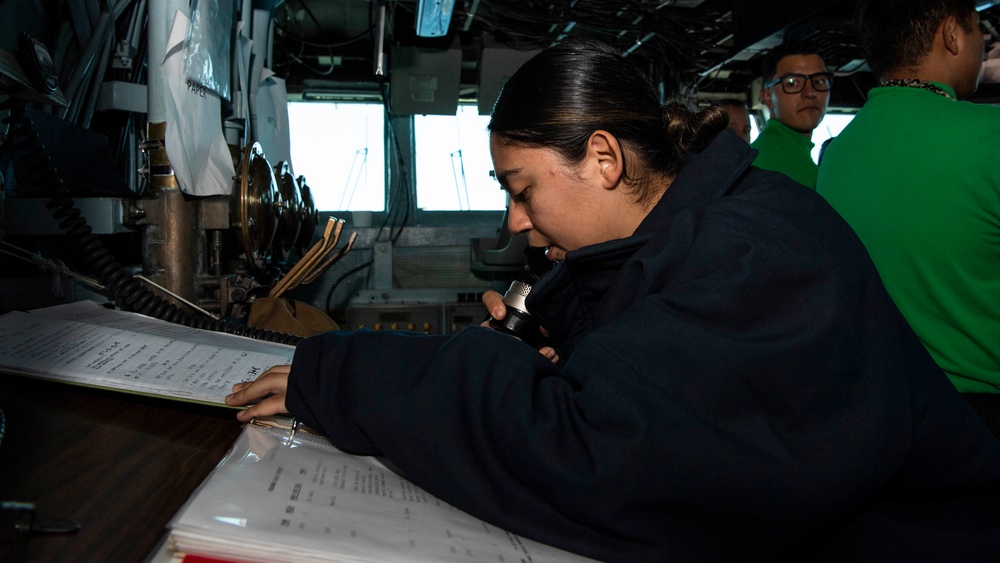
x: 793, y: 83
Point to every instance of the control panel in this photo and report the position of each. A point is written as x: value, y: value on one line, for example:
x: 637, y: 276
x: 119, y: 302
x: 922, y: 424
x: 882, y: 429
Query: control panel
x: 417, y: 317
x: 462, y: 314
x: 434, y: 317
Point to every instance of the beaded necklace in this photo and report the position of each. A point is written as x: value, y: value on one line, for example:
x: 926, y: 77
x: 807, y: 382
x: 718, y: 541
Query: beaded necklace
x: 917, y: 83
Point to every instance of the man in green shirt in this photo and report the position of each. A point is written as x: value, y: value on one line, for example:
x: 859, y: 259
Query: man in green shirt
x: 796, y: 90
x: 915, y: 174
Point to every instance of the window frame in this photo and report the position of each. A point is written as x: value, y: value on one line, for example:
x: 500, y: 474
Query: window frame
x: 398, y: 141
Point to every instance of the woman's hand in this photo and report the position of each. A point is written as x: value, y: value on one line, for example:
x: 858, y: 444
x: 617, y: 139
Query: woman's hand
x: 494, y: 305
x: 267, y: 391
x: 498, y: 310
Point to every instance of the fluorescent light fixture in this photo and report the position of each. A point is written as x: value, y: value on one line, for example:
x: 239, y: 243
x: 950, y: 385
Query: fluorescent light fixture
x: 980, y: 6
x: 433, y: 17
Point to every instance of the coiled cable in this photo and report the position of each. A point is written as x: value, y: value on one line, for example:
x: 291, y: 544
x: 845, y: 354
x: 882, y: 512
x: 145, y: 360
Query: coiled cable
x: 35, y: 170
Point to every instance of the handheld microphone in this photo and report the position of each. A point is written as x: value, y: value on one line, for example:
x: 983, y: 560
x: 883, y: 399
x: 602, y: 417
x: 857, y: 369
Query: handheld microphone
x: 518, y: 322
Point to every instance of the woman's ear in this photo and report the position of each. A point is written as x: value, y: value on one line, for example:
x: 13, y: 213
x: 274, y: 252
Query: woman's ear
x: 604, y: 150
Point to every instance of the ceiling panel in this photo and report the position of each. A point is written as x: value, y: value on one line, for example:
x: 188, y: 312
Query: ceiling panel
x: 699, y: 47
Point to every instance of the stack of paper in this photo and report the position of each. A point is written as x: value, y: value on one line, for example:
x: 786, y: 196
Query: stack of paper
x: 276, y: 499
x: 87, y: 344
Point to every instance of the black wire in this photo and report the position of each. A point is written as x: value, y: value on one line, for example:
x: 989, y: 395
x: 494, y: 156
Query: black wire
x: 391, y: 214
x: 36, y: 170
x: 691, y: 36
x: 299, y: 58
x: 313, y: 16
x: 310, y: 68
x: 305, y: 41
x: 404, y: 181
x: 343, y: 277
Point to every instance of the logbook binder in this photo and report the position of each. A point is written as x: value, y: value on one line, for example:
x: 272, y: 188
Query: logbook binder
x: 284, y: 497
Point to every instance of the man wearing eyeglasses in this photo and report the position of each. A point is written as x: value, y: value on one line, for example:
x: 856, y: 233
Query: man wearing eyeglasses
x: 796, y: 90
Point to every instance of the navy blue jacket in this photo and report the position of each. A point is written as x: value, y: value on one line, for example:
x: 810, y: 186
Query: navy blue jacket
x: 736, y: 385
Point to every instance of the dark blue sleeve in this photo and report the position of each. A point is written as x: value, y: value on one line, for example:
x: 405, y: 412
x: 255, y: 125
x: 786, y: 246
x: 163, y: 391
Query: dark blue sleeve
x: 748, y: 409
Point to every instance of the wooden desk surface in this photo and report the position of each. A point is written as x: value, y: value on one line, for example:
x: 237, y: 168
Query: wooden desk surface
x: 120, y: 465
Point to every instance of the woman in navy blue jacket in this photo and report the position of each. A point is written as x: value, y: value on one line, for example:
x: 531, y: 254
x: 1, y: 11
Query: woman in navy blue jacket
x: 733, y: 381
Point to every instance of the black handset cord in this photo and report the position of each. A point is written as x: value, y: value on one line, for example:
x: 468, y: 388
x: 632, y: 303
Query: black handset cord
x: 34, y: 169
